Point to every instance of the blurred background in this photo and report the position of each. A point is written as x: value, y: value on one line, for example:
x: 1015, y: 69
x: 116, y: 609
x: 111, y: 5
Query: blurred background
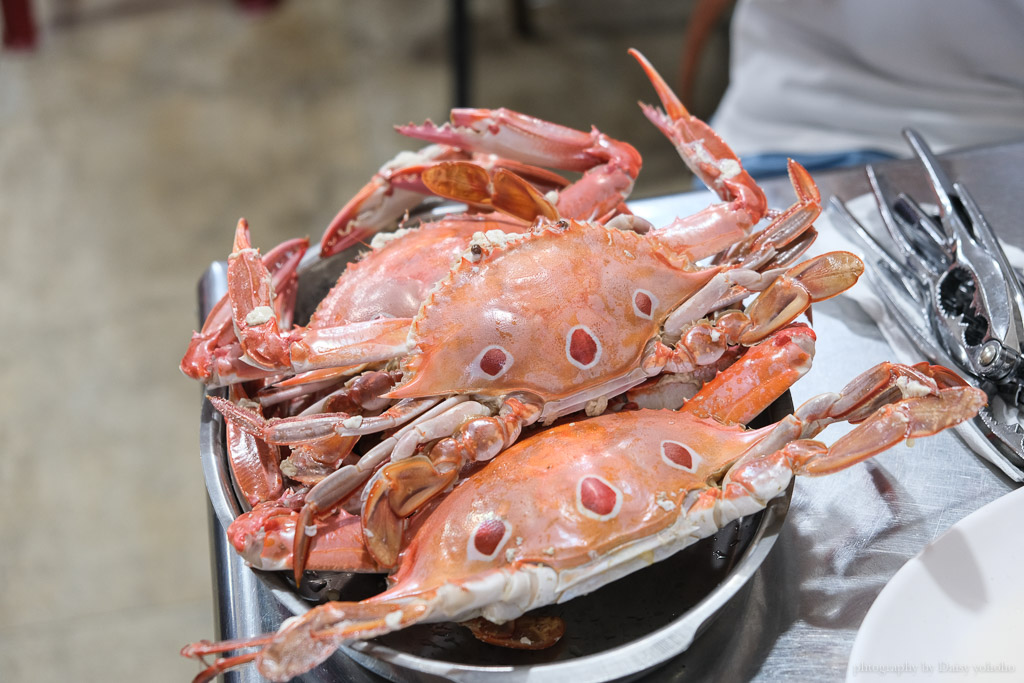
x: 132, y: 138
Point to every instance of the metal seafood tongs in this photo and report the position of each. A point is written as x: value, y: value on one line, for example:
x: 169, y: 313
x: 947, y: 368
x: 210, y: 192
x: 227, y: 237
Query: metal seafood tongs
x: 947, y: 284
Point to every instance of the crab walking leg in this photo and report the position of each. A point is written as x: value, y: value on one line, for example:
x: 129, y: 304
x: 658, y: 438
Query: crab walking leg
x: 609, y: 166
x: 354, y: 392
x: 254, y: 463
x: 787, y: 226
x: 890, y: 403
x: 400, y: 488
x: 620, y: 491
x: 309, y: 428
x: 336, y: 487
x: 222, y: 664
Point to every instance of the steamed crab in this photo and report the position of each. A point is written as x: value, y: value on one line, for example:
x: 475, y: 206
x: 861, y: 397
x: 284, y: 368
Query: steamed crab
x: 621, y: 490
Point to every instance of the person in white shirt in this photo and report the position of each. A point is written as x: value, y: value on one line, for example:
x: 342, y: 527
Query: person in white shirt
x: 832, y: 83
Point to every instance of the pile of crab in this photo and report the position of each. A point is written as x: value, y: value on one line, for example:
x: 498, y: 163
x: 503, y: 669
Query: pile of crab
x: 514, y: 405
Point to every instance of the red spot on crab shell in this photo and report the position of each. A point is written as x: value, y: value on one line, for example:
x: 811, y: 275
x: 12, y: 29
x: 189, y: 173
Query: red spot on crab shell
x: 597, y: 496
x: 643, y: 303
x: 493, y: 361
x: 488, y: 535
x: 583, y: 346
x: 678, y: 454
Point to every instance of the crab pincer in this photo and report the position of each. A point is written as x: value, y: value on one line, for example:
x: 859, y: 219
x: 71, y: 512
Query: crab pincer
x: 712, y: 160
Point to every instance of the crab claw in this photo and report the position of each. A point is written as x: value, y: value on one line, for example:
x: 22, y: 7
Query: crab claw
x: 252, y: 296
x: 610, y: 166
x: 789, y: 295
x: 213, y: 356
x: 704, y: 152
x: 766, y: 371
x: 890, y: 402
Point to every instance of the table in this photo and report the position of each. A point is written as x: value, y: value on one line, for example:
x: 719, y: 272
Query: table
x: 846, y: 535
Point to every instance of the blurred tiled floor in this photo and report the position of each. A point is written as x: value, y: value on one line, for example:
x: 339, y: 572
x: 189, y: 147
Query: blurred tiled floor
x: 130, y: 143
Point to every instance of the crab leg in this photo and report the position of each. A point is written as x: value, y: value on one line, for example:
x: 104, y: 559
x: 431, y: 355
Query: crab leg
x: 308, y: 428
x: 707, y: 232
x: 251, y: 293
x: 404, y: 485
x: 708, y: 157
x: 342, y: 483
x: 392, y: 192
x: 254, y: 463
x: 890, y: 402
x: 222, y: 664
x: 504, y: 191
x: 784, y: 297
x: 398, y: 188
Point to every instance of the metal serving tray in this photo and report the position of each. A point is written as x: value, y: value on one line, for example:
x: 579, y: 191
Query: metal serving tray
x: 620, y: 632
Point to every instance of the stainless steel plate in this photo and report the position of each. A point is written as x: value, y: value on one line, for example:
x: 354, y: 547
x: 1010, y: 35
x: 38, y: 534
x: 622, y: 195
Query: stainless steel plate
x: 618, y: 632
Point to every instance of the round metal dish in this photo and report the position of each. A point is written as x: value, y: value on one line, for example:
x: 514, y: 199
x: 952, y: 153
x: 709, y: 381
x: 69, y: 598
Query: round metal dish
x: 618, y: 632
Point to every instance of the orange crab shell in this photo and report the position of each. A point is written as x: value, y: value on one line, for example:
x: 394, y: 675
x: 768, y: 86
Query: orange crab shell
x: 573, y: 498
x: 392, y: 281
x: 564, y: 308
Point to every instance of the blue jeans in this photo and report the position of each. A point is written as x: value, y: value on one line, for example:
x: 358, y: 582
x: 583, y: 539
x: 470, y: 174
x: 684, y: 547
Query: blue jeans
x: 772, y: 164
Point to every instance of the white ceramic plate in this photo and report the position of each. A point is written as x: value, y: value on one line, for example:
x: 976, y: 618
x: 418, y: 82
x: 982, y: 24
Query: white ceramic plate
x: 956, y: 611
